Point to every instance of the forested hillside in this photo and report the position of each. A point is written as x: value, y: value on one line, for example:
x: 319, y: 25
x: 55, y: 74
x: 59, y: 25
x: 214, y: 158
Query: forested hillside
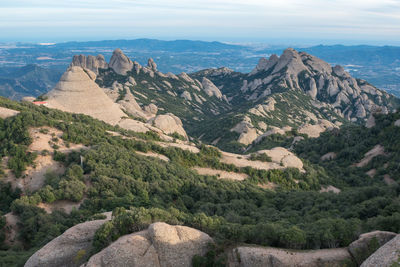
x: 110, y: 171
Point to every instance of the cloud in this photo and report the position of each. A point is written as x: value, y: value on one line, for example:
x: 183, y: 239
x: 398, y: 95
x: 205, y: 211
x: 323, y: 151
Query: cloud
x: 365, y: 19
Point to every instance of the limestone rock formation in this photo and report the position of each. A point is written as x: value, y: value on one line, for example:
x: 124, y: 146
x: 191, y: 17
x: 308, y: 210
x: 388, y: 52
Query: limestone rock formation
x: 314, y: 130
x: 90, y: 62
x: 151, y: 109
x: 169, y: 124
x: 6, y: 113
x: 284, y: 157
x: 151, y: 64
x: 120, y: 63
x: 386, y: 256
x: 77, y: 92
x: 161, y: 245
x: 368, y: 243
x: 352, y: 98
x: 246, y: 130
x: 70, y: 249
x: 273, y: 257
x: 210, y: 89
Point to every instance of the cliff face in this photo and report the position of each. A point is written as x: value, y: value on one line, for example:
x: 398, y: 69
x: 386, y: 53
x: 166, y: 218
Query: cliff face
x: 351, y: 98
x: 77, y: 92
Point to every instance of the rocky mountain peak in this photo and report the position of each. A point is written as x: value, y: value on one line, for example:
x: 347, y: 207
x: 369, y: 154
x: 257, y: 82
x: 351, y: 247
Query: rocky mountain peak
x: 77, y: 92
x: 265, y: 64
x: 90, y: 62
x: 351, y: 98
x: 120, y: 63
x: 151, y: 64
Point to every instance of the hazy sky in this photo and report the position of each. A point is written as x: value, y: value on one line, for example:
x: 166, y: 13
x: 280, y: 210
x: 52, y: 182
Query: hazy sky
x: 320, y: 21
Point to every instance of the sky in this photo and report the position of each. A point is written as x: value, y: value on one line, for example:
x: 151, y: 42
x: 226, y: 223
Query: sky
x: 237, y: 21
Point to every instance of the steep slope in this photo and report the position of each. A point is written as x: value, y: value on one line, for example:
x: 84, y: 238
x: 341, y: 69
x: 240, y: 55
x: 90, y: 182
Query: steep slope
x: 296, y: 90
x: 144, y: 91
x: 76, y: 92
x: 357, y: 155
x: 274, y: 207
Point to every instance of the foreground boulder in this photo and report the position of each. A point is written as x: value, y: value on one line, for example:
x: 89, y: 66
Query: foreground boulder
x: 368, y: 243
x: 158, y: 246
x: 273, y: 257
x: 386, y: 256
x: 70, y: 249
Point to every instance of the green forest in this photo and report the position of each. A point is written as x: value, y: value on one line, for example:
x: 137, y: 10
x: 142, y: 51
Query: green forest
x: 141, y: 190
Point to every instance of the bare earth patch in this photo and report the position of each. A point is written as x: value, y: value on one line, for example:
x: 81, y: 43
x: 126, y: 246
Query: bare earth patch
x: 66, y: 205
x: 33, y: 178
x: 153, y: 155
x: 330, y: 188
x: 371, y: 173
x: 376, y: 151
x: 388, y: 180
x: 269, y: 185
x: 45, y: 137
x: 281, y: 159
x: 328, y: 156
x: 221, y: 174
x: 6, y: 113
x: 11, y: 229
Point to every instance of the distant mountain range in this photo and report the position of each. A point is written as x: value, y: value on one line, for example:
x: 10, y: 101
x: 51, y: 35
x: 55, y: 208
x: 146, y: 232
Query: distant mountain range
x: 379, y: 65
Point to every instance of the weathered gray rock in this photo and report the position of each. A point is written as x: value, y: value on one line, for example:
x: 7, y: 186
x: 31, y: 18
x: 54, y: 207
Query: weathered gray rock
x: 273, y: 257
x: 386, y: 256
x: 169, y: 124
x: 90, y: 62
x: 70, y: 249
x: 368, y: 243
x: 151, y: 64
x: 77, y: 92
x: 162, y: 245
x: 186, y: 95
x: 210, y: 89
x: 120, y: 63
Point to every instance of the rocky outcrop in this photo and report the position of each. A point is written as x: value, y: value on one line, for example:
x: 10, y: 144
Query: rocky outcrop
x: 314, y: 130
x: 284, y: 157
x: 169, y: 124
x: 120, y: 63
x: 210, y: 89
x: 246, y: 130
x: 70, y: 249
x: 368, y: 243
x: 354, y: 99
x: 77, y: 92
x: 151, y: 64
x: 386, y: 256
x: 161, y: 245
x: 273, y: 257
x: 6, y: 113
x: 90, y: 62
